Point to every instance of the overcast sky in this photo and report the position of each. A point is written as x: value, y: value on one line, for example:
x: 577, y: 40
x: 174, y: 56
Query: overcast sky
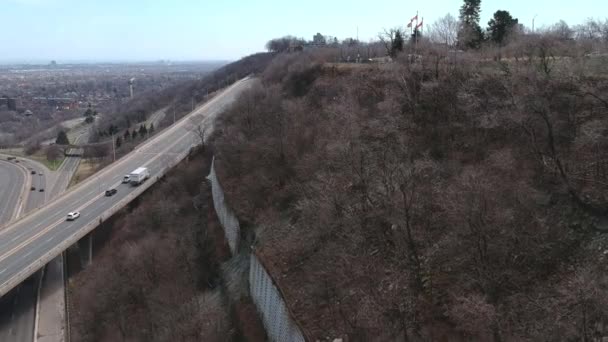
x: 38, y: 30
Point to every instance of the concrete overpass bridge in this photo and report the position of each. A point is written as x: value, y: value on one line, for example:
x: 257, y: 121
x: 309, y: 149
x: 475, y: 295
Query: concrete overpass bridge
x: 29, y: 243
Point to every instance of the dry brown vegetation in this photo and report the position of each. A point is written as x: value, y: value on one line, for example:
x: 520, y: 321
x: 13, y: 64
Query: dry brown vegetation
x: 179, y: 98
x: 456, y: 197
x: 156, y: 279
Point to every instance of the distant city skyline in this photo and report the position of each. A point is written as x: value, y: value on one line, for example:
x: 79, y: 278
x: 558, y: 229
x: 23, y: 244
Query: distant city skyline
x: 38, y: 31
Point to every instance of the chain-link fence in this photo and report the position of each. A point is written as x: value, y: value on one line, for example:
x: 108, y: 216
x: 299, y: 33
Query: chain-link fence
x: 267, y: 298
x: 225, y: 214
x: 270, y: 304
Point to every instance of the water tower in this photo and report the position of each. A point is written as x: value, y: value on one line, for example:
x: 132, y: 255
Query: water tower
x: 131, y: 86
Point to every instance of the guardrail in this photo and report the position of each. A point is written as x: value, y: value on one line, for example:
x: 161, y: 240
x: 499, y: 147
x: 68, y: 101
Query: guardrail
x: 122, y: 159
x: 57, y: 250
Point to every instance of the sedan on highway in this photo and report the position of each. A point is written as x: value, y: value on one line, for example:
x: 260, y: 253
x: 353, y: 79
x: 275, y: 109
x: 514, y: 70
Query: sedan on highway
x: 110, y: 192
x: 73, y: 215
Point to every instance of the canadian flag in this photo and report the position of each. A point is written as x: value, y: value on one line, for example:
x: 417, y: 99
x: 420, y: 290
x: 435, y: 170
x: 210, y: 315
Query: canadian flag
x: 412, y: 20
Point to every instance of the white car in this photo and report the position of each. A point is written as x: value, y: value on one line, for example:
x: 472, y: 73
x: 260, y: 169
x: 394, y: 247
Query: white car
x: 125, y: 179
x: 73, y: 215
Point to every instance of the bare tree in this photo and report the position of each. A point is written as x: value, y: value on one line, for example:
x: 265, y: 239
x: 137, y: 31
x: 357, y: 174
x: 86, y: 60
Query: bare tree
x: 561, y: 30
x: 591, y: 30
x: 199, y: 130
x: 391, y: 40
x: 445, y: 30
x: 53, y: 153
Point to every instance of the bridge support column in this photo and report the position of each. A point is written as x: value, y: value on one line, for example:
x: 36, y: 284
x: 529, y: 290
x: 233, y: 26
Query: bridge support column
x: 85, y: 249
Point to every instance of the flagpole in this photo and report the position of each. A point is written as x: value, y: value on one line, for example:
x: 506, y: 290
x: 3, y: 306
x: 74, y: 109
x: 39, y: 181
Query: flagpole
x: 422, y: 27
x: 416, y: 35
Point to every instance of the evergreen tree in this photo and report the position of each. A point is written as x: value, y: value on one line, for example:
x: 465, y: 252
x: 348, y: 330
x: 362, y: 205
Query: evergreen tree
x: 112, y: 129
x: 62, y: 138
x: 500, y: 26
x: 397, y: 44
x: 118, y: 142
x: 134, y: 135
x: 151, y: 128
x: 469, y: 12
x: 470, y: 34
x: 143, y: 130
x: 127, y: 135
x: 417, y: 35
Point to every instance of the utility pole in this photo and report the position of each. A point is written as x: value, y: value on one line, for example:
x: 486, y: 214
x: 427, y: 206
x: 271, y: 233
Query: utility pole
x: 113, y: 146
x: 174, y: 114
x: 533, y: 22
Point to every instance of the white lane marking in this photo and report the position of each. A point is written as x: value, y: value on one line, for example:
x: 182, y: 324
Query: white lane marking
x: 4, y: 270
x: 27, y: 254
x: 178, y: 128
x: 49, y: 239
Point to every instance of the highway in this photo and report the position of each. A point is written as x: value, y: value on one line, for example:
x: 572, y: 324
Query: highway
x: 13, y: 179
x: 17, y: 308
x: 27, y: 244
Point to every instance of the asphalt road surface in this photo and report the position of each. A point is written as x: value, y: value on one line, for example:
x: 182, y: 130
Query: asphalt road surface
x: 12, y: 182
x: 17, y: 308
x: 67, y: 169
x: 27, y: 240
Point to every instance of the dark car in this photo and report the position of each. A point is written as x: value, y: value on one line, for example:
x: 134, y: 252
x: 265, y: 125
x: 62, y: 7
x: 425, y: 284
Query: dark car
x: 10, y: 158
x: 33, y: 188
x: 33, y: 172
x: 110, y: 192
x: 41, y: 190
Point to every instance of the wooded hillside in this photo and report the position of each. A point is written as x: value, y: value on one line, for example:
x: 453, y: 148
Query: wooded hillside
x: 442, y: 196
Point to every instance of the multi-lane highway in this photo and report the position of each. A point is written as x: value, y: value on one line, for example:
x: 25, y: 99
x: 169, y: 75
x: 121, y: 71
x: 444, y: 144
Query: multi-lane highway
x: 13, y: 179
x: 17, y: 309
x: 28, y: 243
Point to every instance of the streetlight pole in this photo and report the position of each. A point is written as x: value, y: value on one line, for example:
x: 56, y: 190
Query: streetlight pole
x: 533, y: 23
x: 113, y: 147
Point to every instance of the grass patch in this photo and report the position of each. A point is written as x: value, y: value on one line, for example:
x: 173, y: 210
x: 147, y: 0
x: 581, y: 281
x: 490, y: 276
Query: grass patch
x: 51, y: 165
x: 86, y: 168
x: 38, y: 156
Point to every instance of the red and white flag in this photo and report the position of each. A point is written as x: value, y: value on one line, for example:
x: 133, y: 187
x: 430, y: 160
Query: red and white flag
x: 420, y: 25
x: 412, y: 20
